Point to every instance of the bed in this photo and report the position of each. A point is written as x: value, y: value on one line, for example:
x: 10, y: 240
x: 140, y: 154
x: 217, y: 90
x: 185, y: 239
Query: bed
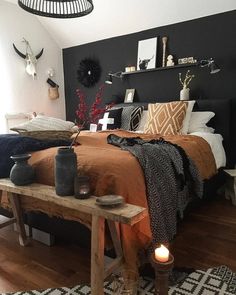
x: 113, y: 177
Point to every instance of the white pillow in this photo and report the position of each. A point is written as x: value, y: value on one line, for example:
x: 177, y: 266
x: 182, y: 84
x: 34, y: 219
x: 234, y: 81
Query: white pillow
x: 198, y: 121
x: 186, y: 120
x: 45, y: 123
x: 143, y: 121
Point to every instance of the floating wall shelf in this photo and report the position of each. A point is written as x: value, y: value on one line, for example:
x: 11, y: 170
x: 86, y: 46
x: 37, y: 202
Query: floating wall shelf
x: 160, y: 69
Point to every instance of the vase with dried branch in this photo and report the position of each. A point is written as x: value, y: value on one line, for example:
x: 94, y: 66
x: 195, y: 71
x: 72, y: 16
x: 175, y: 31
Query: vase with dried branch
x: 184, y: 93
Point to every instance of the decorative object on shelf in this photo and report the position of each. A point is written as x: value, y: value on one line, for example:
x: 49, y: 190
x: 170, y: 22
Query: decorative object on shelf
x: 127, y: 69
x: 164, y: 43
x: 162, y: 270
x: 65, y: 171
x: 147, y: 50
x: 116, y: 75
x: 187, y: 60
x: 132, y: 68
x: 87, y: 116
x: 30, y: 58
x: 129, y: 95
x: 81, y: 187
x: 22, y: 173
x: 57, y: 8
x: 184, y: 93
x: 89, y: 72
x: 170, y: 62
x: 211, y: 64
x: 110, y: 200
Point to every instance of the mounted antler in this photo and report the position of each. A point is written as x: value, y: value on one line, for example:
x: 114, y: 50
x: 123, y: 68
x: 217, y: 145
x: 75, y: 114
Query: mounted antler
x: 18, y: 52
x: 39, y: 54
x: 30, y: 58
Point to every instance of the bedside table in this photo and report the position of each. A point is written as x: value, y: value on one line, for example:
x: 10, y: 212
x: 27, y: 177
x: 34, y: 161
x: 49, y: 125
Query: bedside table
x: 230, y: 190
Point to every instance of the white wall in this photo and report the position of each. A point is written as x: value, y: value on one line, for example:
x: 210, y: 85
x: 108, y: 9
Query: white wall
x: 112, y: 18
x: 18, y: 91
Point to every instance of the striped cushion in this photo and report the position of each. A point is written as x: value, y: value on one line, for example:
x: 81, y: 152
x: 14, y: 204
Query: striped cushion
x: 45, y: 123
x: 166, y: 118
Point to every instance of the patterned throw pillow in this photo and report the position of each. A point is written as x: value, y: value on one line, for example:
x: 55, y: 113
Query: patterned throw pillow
x: 114, y: 114
x: 135, y: 118
x: 131, y: 117
x: 166, y: 118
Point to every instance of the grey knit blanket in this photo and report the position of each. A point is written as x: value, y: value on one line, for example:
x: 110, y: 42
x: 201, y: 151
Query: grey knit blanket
x: 172, y: 180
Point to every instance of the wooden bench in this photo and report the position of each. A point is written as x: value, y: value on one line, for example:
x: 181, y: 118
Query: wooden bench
x: 230, y: 189
x: 126, y: 214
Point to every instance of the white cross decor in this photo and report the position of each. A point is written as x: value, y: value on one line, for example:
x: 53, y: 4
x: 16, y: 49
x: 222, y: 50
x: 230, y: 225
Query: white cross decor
x: 105, y: 121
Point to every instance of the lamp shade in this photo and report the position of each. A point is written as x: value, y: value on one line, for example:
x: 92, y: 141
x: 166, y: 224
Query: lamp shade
x: 57, y: 8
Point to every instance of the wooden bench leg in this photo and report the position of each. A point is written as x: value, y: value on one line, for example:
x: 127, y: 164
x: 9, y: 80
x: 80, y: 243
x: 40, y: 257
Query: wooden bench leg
x: 9, y: 220
x: 115, y: 236
x: 16, y: 208
x: 97, y: 255
x: 118, y: 262
x: 230, y: 190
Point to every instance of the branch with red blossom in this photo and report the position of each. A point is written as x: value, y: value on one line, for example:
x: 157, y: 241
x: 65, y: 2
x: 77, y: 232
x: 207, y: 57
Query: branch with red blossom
x: 96, y: 111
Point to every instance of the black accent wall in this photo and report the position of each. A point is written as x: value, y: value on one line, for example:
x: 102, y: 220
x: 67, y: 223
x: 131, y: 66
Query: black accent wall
x: 202, y: 38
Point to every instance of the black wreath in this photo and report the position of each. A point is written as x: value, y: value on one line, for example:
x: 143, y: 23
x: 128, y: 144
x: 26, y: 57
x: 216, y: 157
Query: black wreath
x: 89, y: 72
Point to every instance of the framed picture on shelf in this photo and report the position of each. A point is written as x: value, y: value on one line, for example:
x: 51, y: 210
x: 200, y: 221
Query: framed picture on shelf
x: 129, y: 95
x: 147, y: 50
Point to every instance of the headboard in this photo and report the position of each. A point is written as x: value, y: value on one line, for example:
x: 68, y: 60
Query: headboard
x: 221, y: 122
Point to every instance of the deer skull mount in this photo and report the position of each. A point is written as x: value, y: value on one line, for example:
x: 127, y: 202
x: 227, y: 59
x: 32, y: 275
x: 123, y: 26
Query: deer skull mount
x: 29, y: 57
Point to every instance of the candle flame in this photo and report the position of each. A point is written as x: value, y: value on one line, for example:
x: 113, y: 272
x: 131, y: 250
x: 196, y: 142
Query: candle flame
x: 163, y: 247
x: 162, y: 253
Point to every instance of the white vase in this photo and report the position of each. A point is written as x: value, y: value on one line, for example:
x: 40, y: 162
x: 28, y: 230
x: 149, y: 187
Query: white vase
x: 184, y: 94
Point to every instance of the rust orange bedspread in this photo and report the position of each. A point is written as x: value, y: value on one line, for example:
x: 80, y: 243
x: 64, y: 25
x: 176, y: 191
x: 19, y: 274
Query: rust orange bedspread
x: 114, y: 171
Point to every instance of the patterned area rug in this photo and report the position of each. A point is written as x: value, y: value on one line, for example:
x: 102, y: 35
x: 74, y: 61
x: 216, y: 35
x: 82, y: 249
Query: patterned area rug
x: 214, y: 281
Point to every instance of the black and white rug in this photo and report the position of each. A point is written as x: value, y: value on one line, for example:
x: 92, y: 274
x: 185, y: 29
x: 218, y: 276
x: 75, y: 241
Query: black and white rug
x: 214, y: 281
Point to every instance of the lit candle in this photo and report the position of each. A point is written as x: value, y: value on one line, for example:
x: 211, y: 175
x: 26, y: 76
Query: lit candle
x: 162, y: 254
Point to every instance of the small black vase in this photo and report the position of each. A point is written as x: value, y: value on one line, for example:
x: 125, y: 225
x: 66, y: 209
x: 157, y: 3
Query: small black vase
x: 65, y: 171
x: 22, y: 173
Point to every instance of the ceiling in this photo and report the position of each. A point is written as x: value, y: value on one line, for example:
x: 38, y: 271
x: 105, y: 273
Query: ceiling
x: 112, y: 18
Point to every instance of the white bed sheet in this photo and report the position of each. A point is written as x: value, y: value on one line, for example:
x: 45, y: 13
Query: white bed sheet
x: 215, y: 142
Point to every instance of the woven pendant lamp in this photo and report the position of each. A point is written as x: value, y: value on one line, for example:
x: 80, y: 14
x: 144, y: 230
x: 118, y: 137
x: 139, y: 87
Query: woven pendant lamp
x: 57, y: 8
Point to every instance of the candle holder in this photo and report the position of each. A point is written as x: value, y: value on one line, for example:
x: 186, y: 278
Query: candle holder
x: 162, y: 270
x: 81, y: 187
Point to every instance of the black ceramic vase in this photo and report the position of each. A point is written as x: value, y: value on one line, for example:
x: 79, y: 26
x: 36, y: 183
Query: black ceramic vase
x: 22, y: 172
x: 65, y: 171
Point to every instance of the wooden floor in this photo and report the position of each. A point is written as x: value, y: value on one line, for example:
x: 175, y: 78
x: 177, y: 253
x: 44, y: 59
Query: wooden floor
x: 206, y: 238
